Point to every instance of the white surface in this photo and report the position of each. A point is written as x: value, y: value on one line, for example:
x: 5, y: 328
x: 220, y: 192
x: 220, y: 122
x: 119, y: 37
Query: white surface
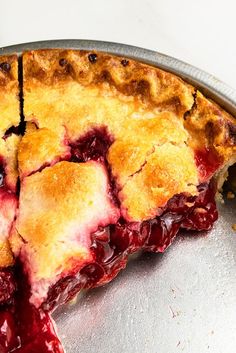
x: 200, y: 32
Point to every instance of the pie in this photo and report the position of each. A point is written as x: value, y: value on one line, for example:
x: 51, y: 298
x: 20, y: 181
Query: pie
x: 101, y: 156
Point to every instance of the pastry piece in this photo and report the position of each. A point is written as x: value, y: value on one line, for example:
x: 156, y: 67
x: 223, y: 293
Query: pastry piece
x: 9, y: 117
x: 9, y: 122
x: 62, y: 206
x: 40, y: 148
x: 9, y: 102
x: 162, y: 146
x: 117, y: 156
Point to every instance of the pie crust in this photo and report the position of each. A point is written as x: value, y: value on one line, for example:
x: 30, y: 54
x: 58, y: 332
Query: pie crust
x: 100, y: 157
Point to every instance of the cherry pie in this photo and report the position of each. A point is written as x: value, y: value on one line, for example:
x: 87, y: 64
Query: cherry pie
x: 101, y: 156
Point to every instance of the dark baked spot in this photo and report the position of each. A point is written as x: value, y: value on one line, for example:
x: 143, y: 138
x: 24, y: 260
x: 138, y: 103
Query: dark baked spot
x: 173, y: 104
x: 140, y: 88
x: 214, y: 130
x: 210, y: 132
x: 125, y: 62
x: 143, y: 87
x: 2, y: 175
x: 103, y: 76
x: 39, y: 72
x: 82, y: 74
x: 232, y: 132
x: 63, y: 62
x: 5, y: 66
x: 106, y: 76
x: 232, y: 129
x: 68, y: 71
x: 92, y: 58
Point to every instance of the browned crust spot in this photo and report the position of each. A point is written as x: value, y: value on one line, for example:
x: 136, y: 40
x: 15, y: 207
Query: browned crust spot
x: 211, y: 126
x: 8, y: 72
x: 207, y: 123
x: 132, y: 78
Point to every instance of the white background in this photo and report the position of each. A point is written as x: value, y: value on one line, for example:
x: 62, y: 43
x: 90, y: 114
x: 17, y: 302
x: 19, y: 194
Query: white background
x: 200, y: 32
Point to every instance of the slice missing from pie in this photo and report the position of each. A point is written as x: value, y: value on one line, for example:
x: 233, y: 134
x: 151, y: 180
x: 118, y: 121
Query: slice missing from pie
x: 113, y: 156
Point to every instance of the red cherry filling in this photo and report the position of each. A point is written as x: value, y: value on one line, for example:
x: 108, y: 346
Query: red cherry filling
x: 204, y: 213
x: 207, y: 161
x: 7, y: 286
x: 94, y: 145
x: 25, y: 329
x: 112, y: 245
x: 8, y: 336
x: 36, y: 331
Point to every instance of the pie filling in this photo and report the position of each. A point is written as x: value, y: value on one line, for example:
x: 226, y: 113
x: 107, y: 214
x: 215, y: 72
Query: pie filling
x: 23, y: 328
x: 145, y: 170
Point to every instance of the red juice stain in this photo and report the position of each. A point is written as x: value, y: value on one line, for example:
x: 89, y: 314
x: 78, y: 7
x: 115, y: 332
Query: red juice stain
x: 24, y: 328
x: 207, y: 161
x: 112, y: 245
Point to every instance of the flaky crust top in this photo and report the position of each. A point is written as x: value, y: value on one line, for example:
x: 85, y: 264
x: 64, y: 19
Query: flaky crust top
x: 9, y: 88
x: 165, y: 138
x: 152, y: 86
x: 9, y: 116
x: 145, y: 110
x: 59, y: 208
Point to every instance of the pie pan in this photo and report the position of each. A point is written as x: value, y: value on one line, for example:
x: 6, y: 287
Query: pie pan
x: 180, y: 301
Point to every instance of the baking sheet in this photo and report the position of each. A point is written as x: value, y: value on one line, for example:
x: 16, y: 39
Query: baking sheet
x: 181, y: 301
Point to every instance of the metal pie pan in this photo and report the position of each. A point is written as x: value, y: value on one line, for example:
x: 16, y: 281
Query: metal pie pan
x: 181, y: 301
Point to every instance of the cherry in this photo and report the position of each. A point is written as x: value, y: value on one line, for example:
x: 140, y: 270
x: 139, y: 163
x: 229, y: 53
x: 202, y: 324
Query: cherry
x: 8, y: 336
x: 26, y: 329
x: 7, y: 285
x: 93, y: 146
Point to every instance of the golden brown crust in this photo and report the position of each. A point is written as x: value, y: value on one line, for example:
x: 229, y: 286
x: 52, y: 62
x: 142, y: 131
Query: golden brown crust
x: 6, y: 255
x: 157, y: 124
x: 150, y: 85
x: 142, y: 135
x: 8, y: 149
x: 210, y: 123
x: 212, y: 128
x: 59, y: 208
x: 142, y: 107
x: 9, y: 88
x: 39, y: 147
x: 168, y: 171
x: 8, y: 201
x: 9, y: 116
x: 8, y: 71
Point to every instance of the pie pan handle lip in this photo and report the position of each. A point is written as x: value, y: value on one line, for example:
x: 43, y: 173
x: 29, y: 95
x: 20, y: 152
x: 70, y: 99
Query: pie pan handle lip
x: 207, y: 83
